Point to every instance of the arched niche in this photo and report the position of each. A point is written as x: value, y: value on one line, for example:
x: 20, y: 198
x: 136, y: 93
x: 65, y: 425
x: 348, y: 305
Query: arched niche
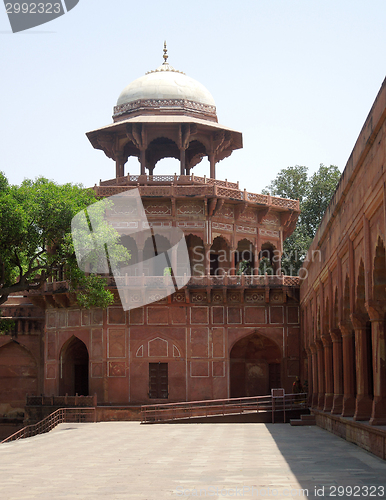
x: 18, y: 374
x: 255, y: 366
x: 74, y: 368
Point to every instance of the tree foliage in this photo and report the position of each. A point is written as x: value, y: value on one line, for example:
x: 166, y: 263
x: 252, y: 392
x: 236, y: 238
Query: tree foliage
x: 314, y: 195
x: 35, y: 239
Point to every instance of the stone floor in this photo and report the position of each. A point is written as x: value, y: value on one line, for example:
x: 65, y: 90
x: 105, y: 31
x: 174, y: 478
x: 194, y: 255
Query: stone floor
x: 126, y: 460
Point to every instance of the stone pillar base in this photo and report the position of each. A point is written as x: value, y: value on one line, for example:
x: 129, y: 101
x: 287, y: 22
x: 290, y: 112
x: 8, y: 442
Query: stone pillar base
x: 363, y: 408
x: 314, y: 401
x: 348, y: 406
x: 378, y: 416
x: 337, y: 405
x: 320, y: 401
x: 328, y: 402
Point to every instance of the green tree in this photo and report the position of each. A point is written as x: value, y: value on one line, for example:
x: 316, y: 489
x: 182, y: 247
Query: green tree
x: 35, y: 239
x: 314, y: 195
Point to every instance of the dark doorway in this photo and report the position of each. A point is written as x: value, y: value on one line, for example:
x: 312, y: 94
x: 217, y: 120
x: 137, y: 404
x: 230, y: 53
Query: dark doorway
x: 158, y: 381
x: 74, y: 362
x: 274, y: 376
x: 255, y: 366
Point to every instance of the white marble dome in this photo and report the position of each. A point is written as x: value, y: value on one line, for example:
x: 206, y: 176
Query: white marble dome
x: 165, y: 83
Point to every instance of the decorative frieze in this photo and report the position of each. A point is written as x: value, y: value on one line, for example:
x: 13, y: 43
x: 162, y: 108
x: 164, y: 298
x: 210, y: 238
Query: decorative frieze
x: 227, y: 212
x: 222, y: 226
x: 158, y: 209
x: 191, y: 224
x: 246, y: 229
x: 271, y: 220
x: 190, y: 209
x: 269, y: 232
x: 248, y: 216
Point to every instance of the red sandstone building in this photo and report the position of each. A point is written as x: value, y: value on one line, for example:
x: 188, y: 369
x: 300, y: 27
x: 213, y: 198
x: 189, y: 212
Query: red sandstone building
x: 222, y: 335
x: 343, y: 294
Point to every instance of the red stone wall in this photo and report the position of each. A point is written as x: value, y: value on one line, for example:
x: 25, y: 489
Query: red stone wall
x: 195, y: 341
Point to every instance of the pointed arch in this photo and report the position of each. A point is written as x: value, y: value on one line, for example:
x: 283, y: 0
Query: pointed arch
x: 74, y: 368
x: 255, y: 366
x: 379, y: 271
x: 18, y: 374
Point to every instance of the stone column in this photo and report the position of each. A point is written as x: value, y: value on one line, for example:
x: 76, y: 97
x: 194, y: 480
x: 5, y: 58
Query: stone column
x: 314, y: 401
x: 182, y: 161
x: 142, y: 160
x: 320, y: 360
x: 348, y: 370
x: 309, y: 375
x: 140, y: 261
x: 212, y: 162
x: 364, y: 400
x: 378, y: 415
x: 119, y: 164
x: 207, y: 259
x: 337, y: 355
x: 233, y: 262
x: 328, y: 373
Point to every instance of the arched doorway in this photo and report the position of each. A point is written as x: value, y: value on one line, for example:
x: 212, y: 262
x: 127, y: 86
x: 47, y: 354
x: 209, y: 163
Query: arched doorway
x: 74, y: 361
x: 255, y: 366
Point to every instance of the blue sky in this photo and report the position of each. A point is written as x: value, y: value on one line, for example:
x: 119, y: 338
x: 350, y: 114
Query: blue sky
x: 296, y: 77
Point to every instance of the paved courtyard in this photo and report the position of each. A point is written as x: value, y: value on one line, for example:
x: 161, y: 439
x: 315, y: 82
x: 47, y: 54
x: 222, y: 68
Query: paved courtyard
x: 126, y: 460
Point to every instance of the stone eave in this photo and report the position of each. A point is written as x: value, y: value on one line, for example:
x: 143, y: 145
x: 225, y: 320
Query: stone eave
x: 205, y: 125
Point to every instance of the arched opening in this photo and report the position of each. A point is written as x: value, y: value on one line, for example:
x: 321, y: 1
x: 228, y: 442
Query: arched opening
x: 219, y: 257
x: 255, y: 366
x: 361, y: 310
x: 379, y: 273
x: 163, y: 151
x: 18, y: 374
x: 244, y: 258
x: 346, y: 319
x: 155, y: 245
x: 74, y: 368
x: 267, y: 260
x: 194, y: 155
x: 196, y: 253
x: 129, y: 243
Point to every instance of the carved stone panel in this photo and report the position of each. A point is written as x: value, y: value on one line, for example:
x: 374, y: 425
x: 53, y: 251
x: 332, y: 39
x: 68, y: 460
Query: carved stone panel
x: 116, y: 343
x: 189, y: 209
x: 199, y: 342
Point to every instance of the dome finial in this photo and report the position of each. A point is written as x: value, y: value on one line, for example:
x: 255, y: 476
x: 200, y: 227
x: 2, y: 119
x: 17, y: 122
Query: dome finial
x: 165, y: 53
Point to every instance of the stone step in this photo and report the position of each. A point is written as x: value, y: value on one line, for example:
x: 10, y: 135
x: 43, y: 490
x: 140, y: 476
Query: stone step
x: 295, y: 421
x: 304, y: 420
x: 308, y: 417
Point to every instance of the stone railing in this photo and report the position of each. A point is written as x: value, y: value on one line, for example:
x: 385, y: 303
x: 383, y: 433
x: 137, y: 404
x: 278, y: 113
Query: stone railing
x: 195, y: 281
x: 148, y: 180
x: 208, y: 190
